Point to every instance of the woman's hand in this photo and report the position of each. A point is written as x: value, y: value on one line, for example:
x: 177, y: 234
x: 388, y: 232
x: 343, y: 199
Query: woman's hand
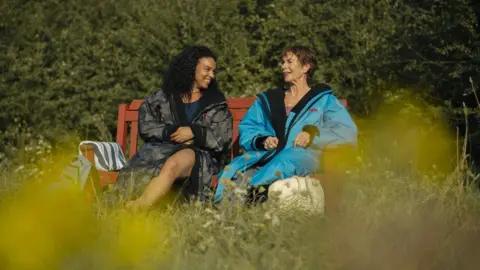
x: 302, y: 139
x: 182, y: 134
x: 270, y: 143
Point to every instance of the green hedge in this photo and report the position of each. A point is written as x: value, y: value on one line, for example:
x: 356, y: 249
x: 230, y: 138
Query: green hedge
x: 66, y: 65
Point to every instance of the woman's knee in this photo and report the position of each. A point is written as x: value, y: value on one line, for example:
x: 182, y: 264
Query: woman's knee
x: 178, y: 162
x: 170, y: 166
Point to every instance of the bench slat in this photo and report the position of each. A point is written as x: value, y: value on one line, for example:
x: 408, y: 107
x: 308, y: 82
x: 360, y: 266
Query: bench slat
x: 238, y: 115
x: 122, y: 127
x: 133, y: 138
x: 131, y: 116
x: 240, y: 103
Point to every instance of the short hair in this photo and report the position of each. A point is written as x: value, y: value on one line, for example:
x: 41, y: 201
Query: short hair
x: 305, y: 55
x: 180, y: 76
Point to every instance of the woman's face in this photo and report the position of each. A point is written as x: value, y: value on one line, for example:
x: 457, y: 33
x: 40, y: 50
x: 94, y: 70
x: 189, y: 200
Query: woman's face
x: 205, y: 72
x: 292, y: 69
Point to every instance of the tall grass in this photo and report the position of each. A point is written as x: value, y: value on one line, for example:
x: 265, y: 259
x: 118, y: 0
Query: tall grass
x: 399, y: 210
x: 385, y: 221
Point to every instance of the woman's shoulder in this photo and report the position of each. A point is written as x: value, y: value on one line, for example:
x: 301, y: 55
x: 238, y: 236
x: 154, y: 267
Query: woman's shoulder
x: 322, y: 87
x: 214, y: 96
x: 328, y: 96
x: 157, y: 96
x: 273, y: 94
x: 213, y: 100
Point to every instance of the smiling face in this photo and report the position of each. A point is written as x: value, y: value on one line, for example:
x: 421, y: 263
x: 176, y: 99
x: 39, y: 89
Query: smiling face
x: 292, y: 69
x: 204, y: 73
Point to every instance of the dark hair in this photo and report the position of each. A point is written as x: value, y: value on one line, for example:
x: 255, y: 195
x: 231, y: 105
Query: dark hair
x: 180, y: 76
x: 305, y: 55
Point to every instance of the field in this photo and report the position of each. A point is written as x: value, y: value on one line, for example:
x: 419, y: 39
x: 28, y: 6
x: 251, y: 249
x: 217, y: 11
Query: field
x: 389, y: 216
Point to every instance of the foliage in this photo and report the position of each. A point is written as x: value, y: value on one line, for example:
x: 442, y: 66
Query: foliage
x: 67, y: 65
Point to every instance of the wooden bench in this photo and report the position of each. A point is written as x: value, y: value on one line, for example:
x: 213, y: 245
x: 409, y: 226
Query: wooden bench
x: 127, y: 133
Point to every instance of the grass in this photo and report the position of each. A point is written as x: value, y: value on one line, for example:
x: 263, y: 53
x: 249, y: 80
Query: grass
x: 394, y: 214
x: 385, y: 221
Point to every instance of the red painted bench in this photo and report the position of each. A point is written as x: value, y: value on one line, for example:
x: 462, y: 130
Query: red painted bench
x: 127, y: 133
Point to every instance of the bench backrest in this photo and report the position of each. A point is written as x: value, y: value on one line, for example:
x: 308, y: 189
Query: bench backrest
x: 127, y: 125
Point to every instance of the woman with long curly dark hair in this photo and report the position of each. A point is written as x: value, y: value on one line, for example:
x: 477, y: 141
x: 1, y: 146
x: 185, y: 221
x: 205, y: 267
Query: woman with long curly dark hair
x: 187, y: 130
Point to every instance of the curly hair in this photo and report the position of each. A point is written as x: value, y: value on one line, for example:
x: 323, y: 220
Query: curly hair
x: 180, y: 76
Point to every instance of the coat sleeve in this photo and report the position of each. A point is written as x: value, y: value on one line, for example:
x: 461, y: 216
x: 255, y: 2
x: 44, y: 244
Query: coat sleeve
x: 336, y: 127
x: 218, y: 136
x: 253, y: 128
x: 151, y: 125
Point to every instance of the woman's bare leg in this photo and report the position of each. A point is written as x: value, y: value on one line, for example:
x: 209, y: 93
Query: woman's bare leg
x: 179, y: 165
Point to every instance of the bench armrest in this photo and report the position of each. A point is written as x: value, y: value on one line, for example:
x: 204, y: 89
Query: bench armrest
x: 88, y: 153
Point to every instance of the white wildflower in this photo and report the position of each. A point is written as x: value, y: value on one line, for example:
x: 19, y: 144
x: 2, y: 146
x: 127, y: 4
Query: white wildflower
x: 20, y: 168
x: 275, y: 221
x: 207, y: 224
x: 240, y: 191
x: 208, y: 210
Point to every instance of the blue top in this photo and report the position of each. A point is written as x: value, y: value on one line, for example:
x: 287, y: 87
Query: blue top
x: 190, y: 109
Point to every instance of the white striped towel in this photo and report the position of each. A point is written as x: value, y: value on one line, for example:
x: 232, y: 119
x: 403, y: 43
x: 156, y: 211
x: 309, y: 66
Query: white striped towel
x: 108, y: 155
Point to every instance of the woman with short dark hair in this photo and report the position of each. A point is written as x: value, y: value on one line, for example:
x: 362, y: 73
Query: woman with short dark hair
x: 285, y: 131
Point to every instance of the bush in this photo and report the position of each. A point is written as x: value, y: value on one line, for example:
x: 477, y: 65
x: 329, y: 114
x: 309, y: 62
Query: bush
x: 67, y: 64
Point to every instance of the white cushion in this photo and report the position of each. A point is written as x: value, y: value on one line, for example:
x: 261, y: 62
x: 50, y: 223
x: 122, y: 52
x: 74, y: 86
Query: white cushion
x: 303, y: 193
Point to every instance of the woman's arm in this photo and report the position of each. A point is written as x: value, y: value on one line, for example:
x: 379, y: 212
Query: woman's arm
x: 218, y: 135
x: 151, y: 125
x: 253, y: 129
x: 336, y: 127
